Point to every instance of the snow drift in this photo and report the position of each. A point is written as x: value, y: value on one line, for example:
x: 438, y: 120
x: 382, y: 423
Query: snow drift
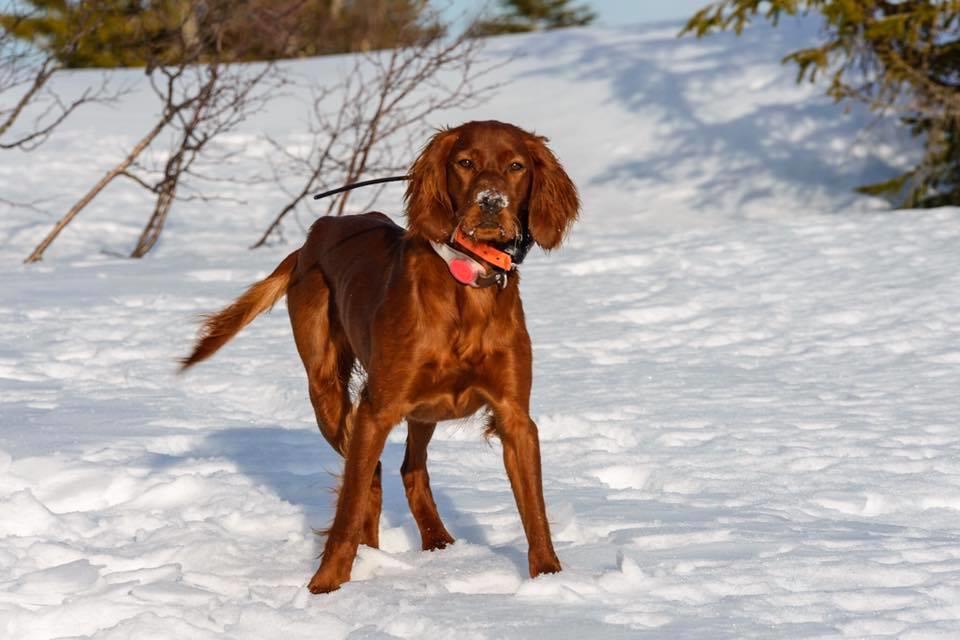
x: 745, y: 379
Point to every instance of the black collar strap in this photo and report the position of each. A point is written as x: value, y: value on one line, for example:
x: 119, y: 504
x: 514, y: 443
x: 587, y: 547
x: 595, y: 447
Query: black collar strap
x: 518, y: 249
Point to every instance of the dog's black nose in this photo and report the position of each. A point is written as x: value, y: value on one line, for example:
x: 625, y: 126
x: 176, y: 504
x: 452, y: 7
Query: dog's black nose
x: 491, y: 202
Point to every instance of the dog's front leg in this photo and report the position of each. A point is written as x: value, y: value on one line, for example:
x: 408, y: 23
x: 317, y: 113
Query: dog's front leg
x: 521, y: 457
x: 367, y: 438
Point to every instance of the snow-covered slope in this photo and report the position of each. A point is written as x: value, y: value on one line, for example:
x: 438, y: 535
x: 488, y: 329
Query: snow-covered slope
x: 745, y: 380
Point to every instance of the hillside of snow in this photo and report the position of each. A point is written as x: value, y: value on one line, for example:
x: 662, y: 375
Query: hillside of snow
x: 745, y: 379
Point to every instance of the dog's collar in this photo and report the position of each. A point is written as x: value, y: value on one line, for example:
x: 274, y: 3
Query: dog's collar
x: 479, y: 266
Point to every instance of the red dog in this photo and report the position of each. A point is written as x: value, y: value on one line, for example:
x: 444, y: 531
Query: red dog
x: 433, y: 315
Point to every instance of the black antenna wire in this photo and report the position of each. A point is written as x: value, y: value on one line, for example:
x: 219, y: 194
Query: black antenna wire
x: 355, y: 185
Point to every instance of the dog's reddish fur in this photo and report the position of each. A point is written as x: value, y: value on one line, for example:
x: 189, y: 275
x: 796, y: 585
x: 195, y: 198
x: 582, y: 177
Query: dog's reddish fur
x: 362, y: 289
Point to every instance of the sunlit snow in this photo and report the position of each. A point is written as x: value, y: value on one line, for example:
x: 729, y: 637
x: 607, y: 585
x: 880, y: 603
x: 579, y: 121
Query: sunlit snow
x: 746, y: 383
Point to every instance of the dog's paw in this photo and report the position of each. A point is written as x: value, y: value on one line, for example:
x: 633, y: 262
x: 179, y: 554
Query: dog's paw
x: 438, y: 540
x: 322, y: 586
x: 544, y: 563
x: 436, y: 537
x: 324, y: 582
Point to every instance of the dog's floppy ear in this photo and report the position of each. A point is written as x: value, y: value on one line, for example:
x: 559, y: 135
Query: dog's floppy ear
x: 429, y: 210
x: 553, y: 204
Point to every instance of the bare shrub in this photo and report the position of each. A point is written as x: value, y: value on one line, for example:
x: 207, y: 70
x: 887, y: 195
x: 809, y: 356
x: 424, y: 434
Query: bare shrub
x: 200, y: 99
x: 375, y: 116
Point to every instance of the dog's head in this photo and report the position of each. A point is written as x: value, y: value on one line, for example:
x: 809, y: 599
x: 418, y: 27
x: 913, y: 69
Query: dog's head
x: 493, y: 180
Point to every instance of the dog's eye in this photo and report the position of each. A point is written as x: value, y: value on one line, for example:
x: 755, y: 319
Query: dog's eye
x: 516, y: 166
x: 465, y: 163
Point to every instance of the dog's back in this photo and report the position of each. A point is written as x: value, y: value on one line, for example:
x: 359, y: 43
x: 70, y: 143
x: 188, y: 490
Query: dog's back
x: 353, y: 257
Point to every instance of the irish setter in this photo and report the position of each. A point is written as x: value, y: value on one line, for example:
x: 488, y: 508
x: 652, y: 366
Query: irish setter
x: 432, y: 313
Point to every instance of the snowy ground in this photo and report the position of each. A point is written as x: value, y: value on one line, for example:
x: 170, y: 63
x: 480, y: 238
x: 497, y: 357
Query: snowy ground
x: 745, y: 379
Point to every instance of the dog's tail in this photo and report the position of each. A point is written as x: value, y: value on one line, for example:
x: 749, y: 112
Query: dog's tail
x: 219, y: 328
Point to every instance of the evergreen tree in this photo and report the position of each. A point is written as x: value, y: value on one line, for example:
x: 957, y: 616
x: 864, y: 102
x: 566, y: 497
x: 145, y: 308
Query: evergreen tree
x: 124, y: 33
x: 521, y: 16
x: 899, y: 56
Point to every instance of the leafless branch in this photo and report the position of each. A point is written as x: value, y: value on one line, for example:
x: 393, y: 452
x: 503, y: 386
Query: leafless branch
x: 385, y: 101
x: 25, y: 87
x: 117, y: 170
x: 200, y: 99
x: 33, y: 205
x: 225, y: 97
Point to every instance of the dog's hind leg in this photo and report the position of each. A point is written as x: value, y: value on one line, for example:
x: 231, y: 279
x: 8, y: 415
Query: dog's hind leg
x: 329, y: 361
x: 416, y: 483
x: 373, y: 423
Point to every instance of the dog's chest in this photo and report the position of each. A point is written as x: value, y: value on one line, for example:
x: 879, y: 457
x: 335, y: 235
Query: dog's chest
x: 448, y: 394
x: 458, y: 377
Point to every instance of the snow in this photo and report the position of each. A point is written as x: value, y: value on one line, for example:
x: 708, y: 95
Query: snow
x: 745, y: 381
x: 494, y: 196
